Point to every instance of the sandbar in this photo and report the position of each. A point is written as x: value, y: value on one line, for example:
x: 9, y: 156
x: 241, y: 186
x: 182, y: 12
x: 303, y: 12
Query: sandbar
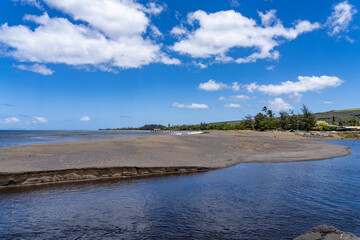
x: 155, y: 155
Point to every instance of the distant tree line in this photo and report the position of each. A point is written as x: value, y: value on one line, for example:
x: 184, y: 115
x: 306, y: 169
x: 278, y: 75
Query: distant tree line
x: 266, y: 120
x: 263, y: 121
x: 351, y: 122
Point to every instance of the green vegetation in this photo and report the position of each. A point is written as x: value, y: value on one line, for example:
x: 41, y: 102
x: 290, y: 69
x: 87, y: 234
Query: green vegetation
x: 263, y: 121
x: 352, y: 122
x: 266, y: 120
x: 324, y: 126
x: 286, y: 121
x: 307, y: 120
x: 342, y: 117
x: 349, y: 135
x: 152, y: 127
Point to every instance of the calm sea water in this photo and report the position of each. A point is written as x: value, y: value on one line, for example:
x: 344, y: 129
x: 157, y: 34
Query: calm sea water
x: 14, y: 138
x: 247, y: 201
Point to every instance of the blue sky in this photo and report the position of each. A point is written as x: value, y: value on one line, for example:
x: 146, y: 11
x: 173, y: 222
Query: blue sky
x: 80, y: 64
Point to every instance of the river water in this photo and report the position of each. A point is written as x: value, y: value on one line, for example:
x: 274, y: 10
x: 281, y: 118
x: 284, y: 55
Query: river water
x: 247, y: 201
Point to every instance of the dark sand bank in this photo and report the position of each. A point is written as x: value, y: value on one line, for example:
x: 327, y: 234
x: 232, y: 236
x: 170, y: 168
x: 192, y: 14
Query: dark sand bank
x: 156, y: 155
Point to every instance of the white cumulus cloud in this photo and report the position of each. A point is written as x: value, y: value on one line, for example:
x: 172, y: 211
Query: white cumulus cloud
x: 200, y: 65
x: 221, y: 31
x: 212, y: 86
x: 179, y: 31
x: 304, y: 84
x: 153, y: 8
x: 37, y: 68
x: 85, y: 119
x: 232, y: 105
x: 155, y: 32
x: 296, y: 97
x: 191, y: 106
x: 106, y: 32
x: 340, y: 18
x: 10, y: 120
x: 39, y: 120
x: 235, y: 86
x: 117, y: 19
x: 278, y: 104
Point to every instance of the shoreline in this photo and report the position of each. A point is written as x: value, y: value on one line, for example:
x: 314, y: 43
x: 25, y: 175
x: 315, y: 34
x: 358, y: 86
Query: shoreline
x: 62, y: 176
x: 29, y: 165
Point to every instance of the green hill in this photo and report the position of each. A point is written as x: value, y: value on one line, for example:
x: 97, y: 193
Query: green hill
x: 339, y: 115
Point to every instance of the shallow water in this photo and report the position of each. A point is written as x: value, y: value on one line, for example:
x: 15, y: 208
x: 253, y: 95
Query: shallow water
x: 247, y: 201
x: 14, y: 138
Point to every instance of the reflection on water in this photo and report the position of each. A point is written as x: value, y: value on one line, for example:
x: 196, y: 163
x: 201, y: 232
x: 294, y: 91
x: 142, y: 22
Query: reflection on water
x: 248, y: 201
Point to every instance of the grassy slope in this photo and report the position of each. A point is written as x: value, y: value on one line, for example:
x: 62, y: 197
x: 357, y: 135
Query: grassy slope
x: 340, y: 115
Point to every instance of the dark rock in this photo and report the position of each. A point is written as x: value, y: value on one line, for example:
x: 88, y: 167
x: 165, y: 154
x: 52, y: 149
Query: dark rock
x: 326, y: 233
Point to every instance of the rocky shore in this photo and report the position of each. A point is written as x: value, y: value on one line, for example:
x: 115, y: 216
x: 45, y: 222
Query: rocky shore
x: 324, y: 232
x: 157, y: 155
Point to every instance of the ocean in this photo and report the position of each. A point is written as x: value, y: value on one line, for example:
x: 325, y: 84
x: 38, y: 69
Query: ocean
x: 14, y: 137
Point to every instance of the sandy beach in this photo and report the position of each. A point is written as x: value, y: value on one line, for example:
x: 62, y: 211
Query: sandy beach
x: 156, y: 155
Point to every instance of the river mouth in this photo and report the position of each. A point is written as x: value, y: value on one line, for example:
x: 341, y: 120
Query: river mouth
x: 247, y: 201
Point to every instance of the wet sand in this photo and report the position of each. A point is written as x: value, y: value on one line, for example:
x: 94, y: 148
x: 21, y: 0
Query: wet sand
x: 156, y: 155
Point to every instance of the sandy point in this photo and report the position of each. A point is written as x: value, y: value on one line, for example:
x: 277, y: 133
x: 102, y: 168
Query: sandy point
x: 165, y: 154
